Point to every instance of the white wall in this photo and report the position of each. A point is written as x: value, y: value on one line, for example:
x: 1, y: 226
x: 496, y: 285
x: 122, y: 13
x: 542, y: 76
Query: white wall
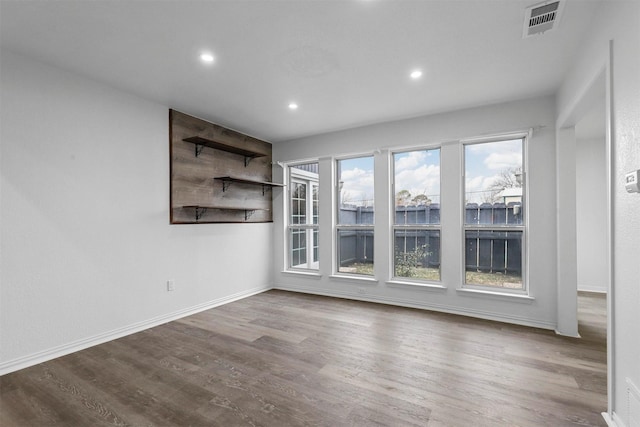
x: 618, y: 21
x: 567, y: 277
x: 442, y: 128
x: 591, y: 215
x: 86, y: 242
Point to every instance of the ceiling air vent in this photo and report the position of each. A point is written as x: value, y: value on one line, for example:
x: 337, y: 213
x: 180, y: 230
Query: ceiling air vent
x: 542, y: 17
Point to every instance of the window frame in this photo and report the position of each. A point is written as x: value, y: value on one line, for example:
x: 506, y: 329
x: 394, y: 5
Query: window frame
x: 411, y: 227
x: 523, y: 227
x: 337, y: 227
x: 311, y: 225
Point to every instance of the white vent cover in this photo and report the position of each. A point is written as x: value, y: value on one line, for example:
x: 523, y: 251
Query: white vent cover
x: 542, y: 17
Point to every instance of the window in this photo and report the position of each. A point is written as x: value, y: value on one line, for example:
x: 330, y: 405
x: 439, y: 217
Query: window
x: 355, y: 216
x: 494, y: 226
x: 303, y: 216
x: 416, y: 224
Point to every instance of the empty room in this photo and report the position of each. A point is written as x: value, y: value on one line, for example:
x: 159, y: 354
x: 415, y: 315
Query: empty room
x: 320, y: 213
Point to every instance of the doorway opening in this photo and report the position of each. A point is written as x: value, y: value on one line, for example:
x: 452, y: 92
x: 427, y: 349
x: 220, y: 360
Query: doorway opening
x: 593, y: 215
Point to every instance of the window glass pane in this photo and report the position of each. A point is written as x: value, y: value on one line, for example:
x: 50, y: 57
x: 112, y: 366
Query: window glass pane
x: 298, y: 203
x: 355, y: 251
x: 315, y: 204
x: 417, y: 187
x: 493, y: 258
x: 493, y: 182
x: 298, y: 247
x: 417, y: 254
x: 355, y: 178
x: 310, y: 169
x: 303, y: 193
x: 316, y: 237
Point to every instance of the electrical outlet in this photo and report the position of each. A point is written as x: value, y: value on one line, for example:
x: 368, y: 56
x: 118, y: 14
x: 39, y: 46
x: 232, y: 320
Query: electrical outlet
x: 170, y: 285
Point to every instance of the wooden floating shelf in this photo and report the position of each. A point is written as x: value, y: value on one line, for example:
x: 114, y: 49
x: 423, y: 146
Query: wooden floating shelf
x: 204, y: 142
x: 201, y: 210
x: 227, y: 180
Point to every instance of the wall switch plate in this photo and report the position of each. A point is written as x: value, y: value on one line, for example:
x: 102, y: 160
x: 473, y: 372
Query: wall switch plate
x: 170, y: 285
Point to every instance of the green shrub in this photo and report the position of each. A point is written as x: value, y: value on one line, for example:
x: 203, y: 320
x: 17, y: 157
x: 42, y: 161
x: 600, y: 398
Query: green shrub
x: 407, y: 263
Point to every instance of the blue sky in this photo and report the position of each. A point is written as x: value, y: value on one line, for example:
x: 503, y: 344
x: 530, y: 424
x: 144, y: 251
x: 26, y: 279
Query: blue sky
x: 419, y: 171
x: 485, y: 162
x: 357, y: 178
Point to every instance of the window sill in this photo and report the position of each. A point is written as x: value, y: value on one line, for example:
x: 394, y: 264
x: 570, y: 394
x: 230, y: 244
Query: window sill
x: 354, y: 278
x: 426, y: 286
x: 302, y: 273
x: 524, y: 298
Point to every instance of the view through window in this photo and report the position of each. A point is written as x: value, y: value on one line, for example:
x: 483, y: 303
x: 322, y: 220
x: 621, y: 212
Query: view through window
x: 303, y: 216
x: 416, y: 229
x: 354, y: 229
x: 494, y: 214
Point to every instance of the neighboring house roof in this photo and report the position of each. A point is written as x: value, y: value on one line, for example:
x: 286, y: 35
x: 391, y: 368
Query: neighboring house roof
x: 511, y: 192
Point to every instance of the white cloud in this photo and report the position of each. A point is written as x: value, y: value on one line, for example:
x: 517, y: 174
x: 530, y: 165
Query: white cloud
x: 419, y: 173
x: 474, y: 184
x: 422, y: 180
x: 485, y: 162
x: 477, y: 188
x: 503, y: 160
x: 411, y: 160
x: 496, y: 155
x: 357, y: 185
x: 353, y: 174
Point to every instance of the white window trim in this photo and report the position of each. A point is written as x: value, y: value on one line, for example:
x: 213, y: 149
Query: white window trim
x: 393, y: 279
x: 476, y: 289
x: 416, y: 284
x: 493, y: 294
x: 336, y: 274
x: 310, y: 180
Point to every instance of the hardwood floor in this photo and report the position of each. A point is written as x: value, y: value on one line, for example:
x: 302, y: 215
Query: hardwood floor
x: 287, y: 359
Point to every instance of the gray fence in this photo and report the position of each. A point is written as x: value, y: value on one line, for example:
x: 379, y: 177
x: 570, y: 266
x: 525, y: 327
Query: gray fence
x: 485, y: 250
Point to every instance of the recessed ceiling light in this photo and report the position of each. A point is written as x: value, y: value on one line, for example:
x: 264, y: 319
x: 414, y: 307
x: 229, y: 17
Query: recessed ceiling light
x: 416, y: 74
x: 293, y: 106
x: 206, y: 58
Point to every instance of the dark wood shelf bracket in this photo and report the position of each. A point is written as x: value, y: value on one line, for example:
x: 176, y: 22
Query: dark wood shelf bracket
x: 199, y: 211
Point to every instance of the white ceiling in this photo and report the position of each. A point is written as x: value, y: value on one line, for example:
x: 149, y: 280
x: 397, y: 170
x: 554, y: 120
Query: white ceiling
x: 346, y: 63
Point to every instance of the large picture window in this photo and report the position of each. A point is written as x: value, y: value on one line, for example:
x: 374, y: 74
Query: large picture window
x: 494, y: 223
x: 355, y: 216
x: 303, y: 216
x: 416, y: 224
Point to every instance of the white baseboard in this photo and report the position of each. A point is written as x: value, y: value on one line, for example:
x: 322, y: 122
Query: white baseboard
x: 52, y: 353
x: 563, y: 334
x: 425, y: 306
x: 614, y: 421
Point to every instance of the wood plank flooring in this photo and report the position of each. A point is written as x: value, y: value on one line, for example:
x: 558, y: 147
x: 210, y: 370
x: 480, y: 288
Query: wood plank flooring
x: 287, y: 359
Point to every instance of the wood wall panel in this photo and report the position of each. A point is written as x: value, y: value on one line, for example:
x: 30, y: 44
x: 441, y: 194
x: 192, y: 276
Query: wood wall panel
x: 192, y: 178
